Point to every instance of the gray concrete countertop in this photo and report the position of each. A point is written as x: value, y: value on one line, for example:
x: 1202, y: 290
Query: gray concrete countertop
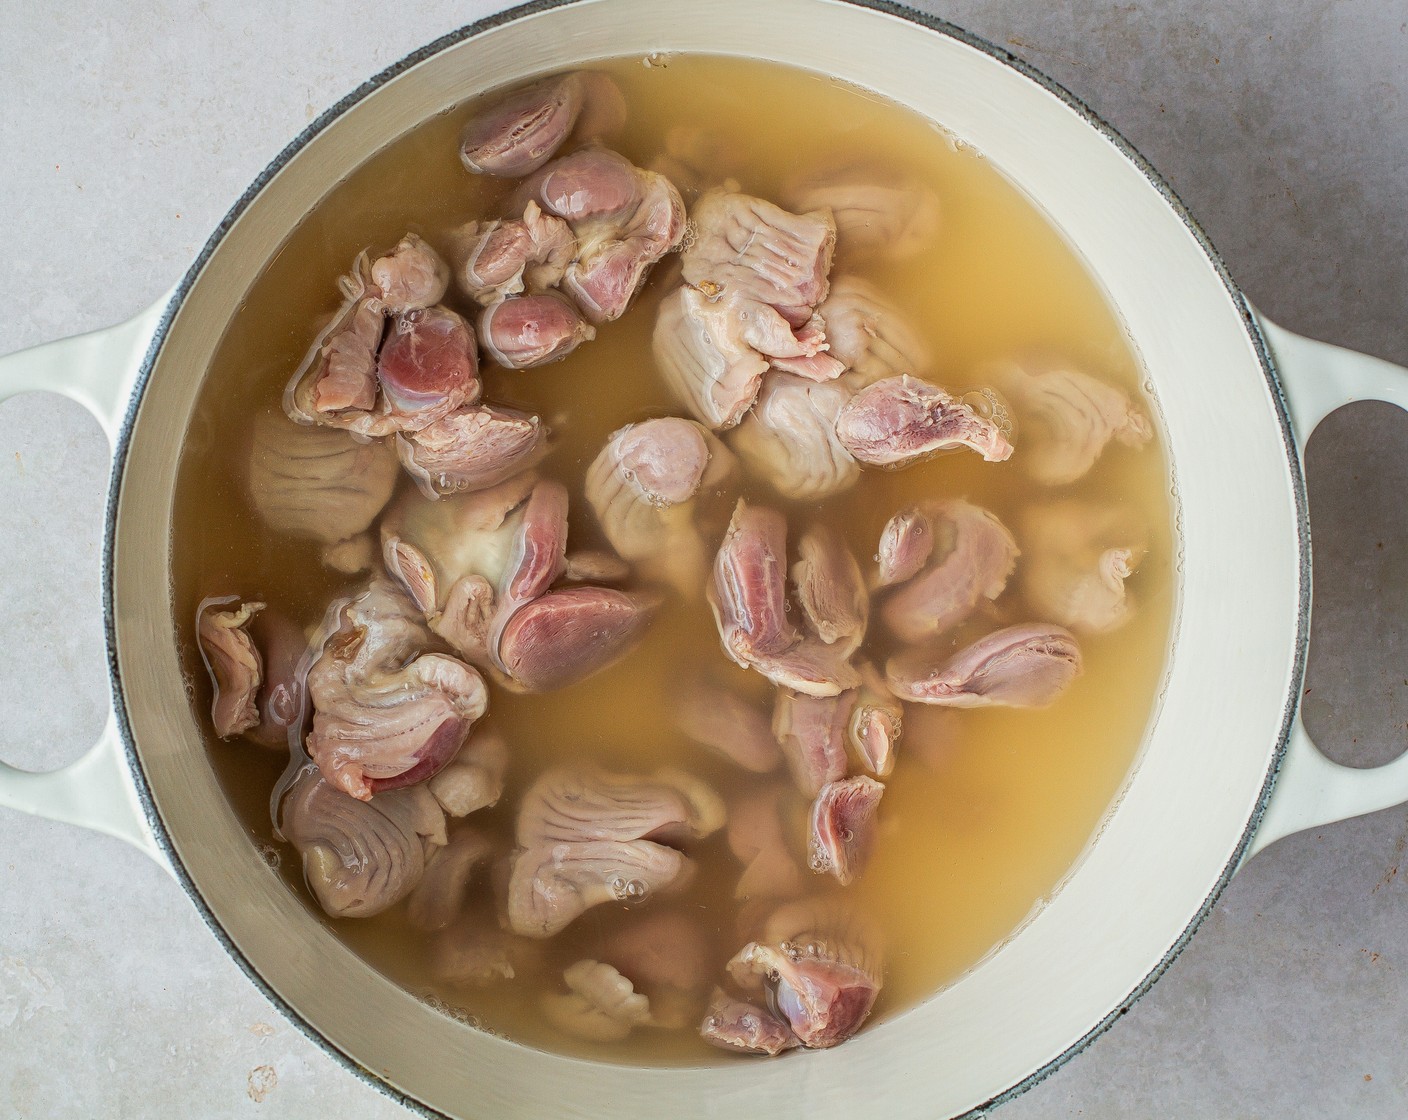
x: 128, y: 131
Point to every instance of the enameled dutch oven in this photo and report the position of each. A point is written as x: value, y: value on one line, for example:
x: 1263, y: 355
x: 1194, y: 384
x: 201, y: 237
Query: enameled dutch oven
x: 1222, y: 771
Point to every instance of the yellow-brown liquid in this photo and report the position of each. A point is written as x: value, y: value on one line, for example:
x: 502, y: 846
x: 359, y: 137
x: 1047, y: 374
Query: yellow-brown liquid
x: 985, y: 813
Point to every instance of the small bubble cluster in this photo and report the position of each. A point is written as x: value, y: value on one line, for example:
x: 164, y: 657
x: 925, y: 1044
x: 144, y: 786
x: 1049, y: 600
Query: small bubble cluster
x: 987, y: 404
x: 628, y: 890
x: 271, y: 856
x: 689, y: 236
x: 458, y: 1014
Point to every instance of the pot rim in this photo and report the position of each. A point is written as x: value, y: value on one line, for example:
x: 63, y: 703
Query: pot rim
x: 929, y: 23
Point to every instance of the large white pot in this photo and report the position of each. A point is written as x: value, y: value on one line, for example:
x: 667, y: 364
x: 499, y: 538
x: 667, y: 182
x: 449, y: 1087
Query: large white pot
x: 1226, y: 767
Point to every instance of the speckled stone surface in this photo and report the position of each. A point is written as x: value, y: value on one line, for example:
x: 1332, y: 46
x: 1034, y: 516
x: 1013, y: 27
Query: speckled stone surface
x: 128, y: 131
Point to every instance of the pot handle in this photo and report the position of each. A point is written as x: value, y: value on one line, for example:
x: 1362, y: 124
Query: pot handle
x: 1310, y: 789
x: 98, y: 370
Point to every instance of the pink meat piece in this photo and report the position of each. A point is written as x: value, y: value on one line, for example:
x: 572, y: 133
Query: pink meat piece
x: 880, y: 212
x: 472, y: 449
x: 596, y: 565
x: 480, y: 567
x: 906, y: 543
x: 843, y: 827
x: 255, y: 660
x: 591, y: 183
x: 474, y: 779
x: 750, y: 580
x: 532, y: 330
x: 617, y: 252
x: 900, y: 420
x: 438, y: 898
x: 498, y: 259
x: 540, y: 544
x: 749, y: 598
x: 704, y: 359
x: 233, y: 662
x: 745, y: 1028
x: 754, y: 275
x: 725, y: 722
x: 660, y: 949
x: 385, y: 714
x: 757, y: 837
x: 1025, y: 666
x: 372, y: 380
x: 537, y: 556
x: 1079, y: 555
x: 811, y: 667
x: 579, y: 804
x: 344, y: 378
x: 819, y: 962
x: 748, y: 246
x: 642, y: 486
x: 411, y: 277
x: 317, y: 483
x: 521, y: 131
x: 870, y: 335
x: 789, y: 437
x: 473, y: 953
x: 586, y: 837
x: 359, y: 857
x: 428, y: 367
x: 1068, y: 418
x: 830, y: 589
x: 282, y: 697
x: 453, y: 555
x: 624, y: 219
x: 567, y: 635
x: 811, y: 359
x: 713, y: 351
x: 877, y: 723
x: 812, y: 732
x: 971, y: 557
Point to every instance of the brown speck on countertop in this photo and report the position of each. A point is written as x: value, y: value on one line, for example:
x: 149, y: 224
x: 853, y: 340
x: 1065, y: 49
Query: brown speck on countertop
x: 263, y: 1030
x: 19, y: 466
x: 1368, y: 1077
x: 1400, y: 849
x: 262, y: 1080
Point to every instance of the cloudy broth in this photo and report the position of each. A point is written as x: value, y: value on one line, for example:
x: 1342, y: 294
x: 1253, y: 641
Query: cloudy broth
x: 985, y: 811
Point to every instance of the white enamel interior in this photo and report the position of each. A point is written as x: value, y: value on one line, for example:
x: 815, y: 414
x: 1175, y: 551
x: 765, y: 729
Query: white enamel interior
x: 1164, y: 846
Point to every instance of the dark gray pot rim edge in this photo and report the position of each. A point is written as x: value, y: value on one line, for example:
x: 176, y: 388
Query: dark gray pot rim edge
x: 534, y: 7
